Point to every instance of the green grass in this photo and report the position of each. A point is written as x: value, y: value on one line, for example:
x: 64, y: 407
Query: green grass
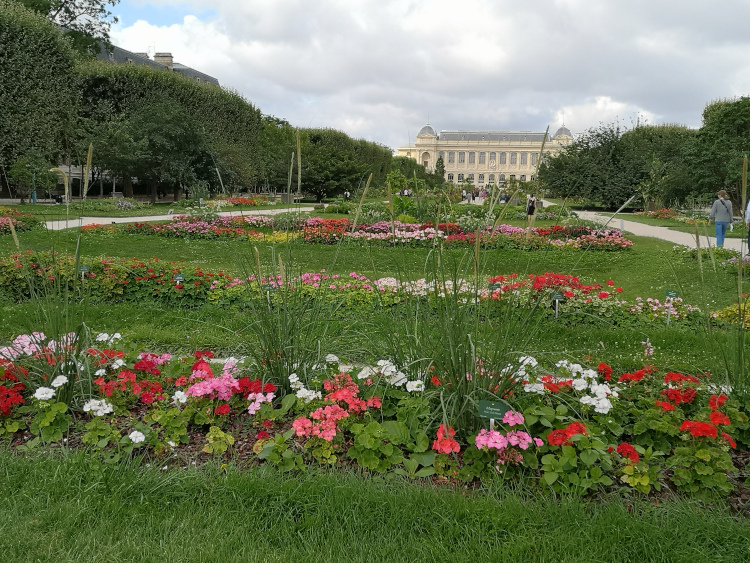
x: 59, y: 509
x: 739, y: 230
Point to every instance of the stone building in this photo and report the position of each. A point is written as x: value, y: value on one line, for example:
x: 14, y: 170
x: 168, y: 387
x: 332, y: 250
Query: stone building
x: 486, y: 158
x: 163, y: 61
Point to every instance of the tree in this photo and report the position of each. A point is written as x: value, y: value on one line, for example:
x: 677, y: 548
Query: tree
x: 172, y: 142
x: 440, y: 171
x: 38, y: 92
x: 716, y: 152
x: 31, y: 172
x: 86, y: 22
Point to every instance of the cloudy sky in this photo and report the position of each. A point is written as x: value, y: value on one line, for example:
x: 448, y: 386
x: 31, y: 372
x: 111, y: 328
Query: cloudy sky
x: 380, y: 69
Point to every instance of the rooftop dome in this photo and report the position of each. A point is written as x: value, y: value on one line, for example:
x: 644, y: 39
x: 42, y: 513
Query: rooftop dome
x: 427, y: 130
x: 562, y: 131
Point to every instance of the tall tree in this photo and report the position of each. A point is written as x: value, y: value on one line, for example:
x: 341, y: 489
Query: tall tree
x: 86, y: 22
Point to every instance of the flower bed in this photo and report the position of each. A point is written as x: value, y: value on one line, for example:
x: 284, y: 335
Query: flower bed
x: 21, y: 221
x: 316, y: 230
x: 570, y: 428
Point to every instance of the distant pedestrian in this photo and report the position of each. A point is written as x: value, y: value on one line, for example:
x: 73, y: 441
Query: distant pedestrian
x: 530, y: 208
x: 347, y: 195
x: 721, y: 213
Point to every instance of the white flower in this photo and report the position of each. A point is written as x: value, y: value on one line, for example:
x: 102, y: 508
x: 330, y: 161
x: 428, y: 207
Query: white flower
x: 397, y: 379
x: 307, y: 395
x: 366, y: 372
x: 102, y: 337
x: 603, y: 406
x: 44, y: 393
x: 537, y: 388
x: 589, y: 373
x: 98, y: 407
x: 528, y: 361
x: 59, y: 381
x: 171, y: 444
x: 118, y: 363
x: 413, y: 386
x: 179, y: 398
x: 137, y: 437
x: 101, y: 372
x: 580, y: 384
x: 332, y: 359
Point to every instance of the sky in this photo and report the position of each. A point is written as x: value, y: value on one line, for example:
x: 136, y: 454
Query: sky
x: 379, y: 70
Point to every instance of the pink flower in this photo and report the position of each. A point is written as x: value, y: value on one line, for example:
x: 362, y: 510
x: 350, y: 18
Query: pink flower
x: 513, y: 418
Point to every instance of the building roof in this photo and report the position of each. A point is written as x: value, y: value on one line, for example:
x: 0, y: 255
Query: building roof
x: 427, y: 130
x: 534, y: 136
x: 119, y: 55
x: 562, y: 131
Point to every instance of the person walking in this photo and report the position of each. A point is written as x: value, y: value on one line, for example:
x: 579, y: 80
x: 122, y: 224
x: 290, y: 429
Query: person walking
x: 721, y: 213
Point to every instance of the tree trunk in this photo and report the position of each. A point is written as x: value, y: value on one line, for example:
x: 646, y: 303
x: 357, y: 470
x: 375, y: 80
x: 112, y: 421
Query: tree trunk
x: 152, y: 191
x: 177, y: 192
x: 128, y: 187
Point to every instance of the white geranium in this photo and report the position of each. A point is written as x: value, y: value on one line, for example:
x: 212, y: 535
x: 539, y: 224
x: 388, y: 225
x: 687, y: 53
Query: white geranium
x: 59, y: 381
x: 537, y: 388
x: 332, y: 359
x: 398, y: 378
x: 101, y: 372
x: 307, y: 395
x: 137, y: 437
x: 118, y: 363
x: 44, y: 394
x: 414, y: 386
x: 179, y: 398
x: 580, y: 384
x: 528, y: 361
x: 366, y: 372
x: 98, y: 407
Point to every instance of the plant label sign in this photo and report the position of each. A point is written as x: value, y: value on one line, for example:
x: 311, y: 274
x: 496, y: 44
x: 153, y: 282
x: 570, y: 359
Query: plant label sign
x: 179, y: 278
x: 83, y: 268
x: 557, y: 296
x: 268, y: 288
x: 671, y: 293
x: 492, y: 409
x: 494, y: 286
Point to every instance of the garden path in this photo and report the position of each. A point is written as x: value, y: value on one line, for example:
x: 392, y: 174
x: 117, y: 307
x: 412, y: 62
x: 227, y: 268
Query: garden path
x: 78, y: 222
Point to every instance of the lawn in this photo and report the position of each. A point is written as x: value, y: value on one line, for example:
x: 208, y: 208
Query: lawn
x: 72, y: 503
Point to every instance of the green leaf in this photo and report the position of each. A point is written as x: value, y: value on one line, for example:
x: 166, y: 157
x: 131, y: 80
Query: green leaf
x: 411, y: 465
x: 426, y: 458
x: 550, y: 477
x: 589, y: 457
x: 396, y: 432
x: 425, y: 472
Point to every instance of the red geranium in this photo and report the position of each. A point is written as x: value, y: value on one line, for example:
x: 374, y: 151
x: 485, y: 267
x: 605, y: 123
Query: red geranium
x: 221, y: 410
x: 665, y: 405
x: 445, y: 444
x: 717, y: 401
x: 718, y: 418
x: 698, y: 429
x: 729, y: 439
x: 628, y: 451
x: 562, y: 436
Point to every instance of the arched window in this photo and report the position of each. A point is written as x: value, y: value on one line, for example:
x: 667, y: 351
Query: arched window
x: 450, y: 176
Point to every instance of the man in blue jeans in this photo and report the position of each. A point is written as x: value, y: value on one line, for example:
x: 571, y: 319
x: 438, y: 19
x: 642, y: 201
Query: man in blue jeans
x: 721, y: 213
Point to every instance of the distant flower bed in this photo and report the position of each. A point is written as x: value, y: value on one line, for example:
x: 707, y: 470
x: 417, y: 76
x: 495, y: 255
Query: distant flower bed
x: 21, y: 221
x: 663, y: 213
x: 316, y: 230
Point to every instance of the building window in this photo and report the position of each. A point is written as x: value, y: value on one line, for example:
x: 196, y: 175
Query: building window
x: 408, y: 153
x: 460, y: 177
x: 471, y: 178
x: 450, y: 176
x: 524, y: 158
x: 472, y: 157
x: 461, y: 157
x: 502, y: 158
x: 533, y: 158
x: 441, y: 154
x: 523, y: 177
x: 481, y: 178
x: 514, y: 158
x: 512, y: 176
x: 451, y: 157
x: 482, y: 157
x: 493, y: 156
x: 501, y: 179
x: 492, y: 178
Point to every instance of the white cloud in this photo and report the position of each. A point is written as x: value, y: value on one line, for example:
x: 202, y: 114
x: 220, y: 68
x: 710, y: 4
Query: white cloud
x: 378, y: 69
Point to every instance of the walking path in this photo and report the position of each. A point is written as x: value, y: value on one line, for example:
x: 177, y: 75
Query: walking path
x: 633, y: 227
x: 80, y: 221
x: 663, y: 233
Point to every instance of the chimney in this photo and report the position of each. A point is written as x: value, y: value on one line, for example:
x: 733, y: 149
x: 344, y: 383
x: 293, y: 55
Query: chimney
x: 164, y: 58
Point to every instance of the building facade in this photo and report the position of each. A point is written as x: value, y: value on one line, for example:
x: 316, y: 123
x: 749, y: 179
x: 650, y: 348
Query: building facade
x: 163, y: 61
x: 485, y: 158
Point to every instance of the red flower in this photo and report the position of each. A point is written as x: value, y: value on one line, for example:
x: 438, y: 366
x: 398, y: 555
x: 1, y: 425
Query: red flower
x: 435, y: 380
x: 562, y: 436
x: 221, y: 410
x: 728, y: 438
x: 619, y: 290
x: 445, y: 444
x: 698, y: 429
x: 569, y: 294
x: 603, y: 295
x: 717, y: 401
x: 262, y: 435
x: 628, y: 451
x: 604, y: 369
x: 718, y: 418
x: 610, y: 282
x: 267, y: 423
x: 634, y: 377
x: 666, y: 406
